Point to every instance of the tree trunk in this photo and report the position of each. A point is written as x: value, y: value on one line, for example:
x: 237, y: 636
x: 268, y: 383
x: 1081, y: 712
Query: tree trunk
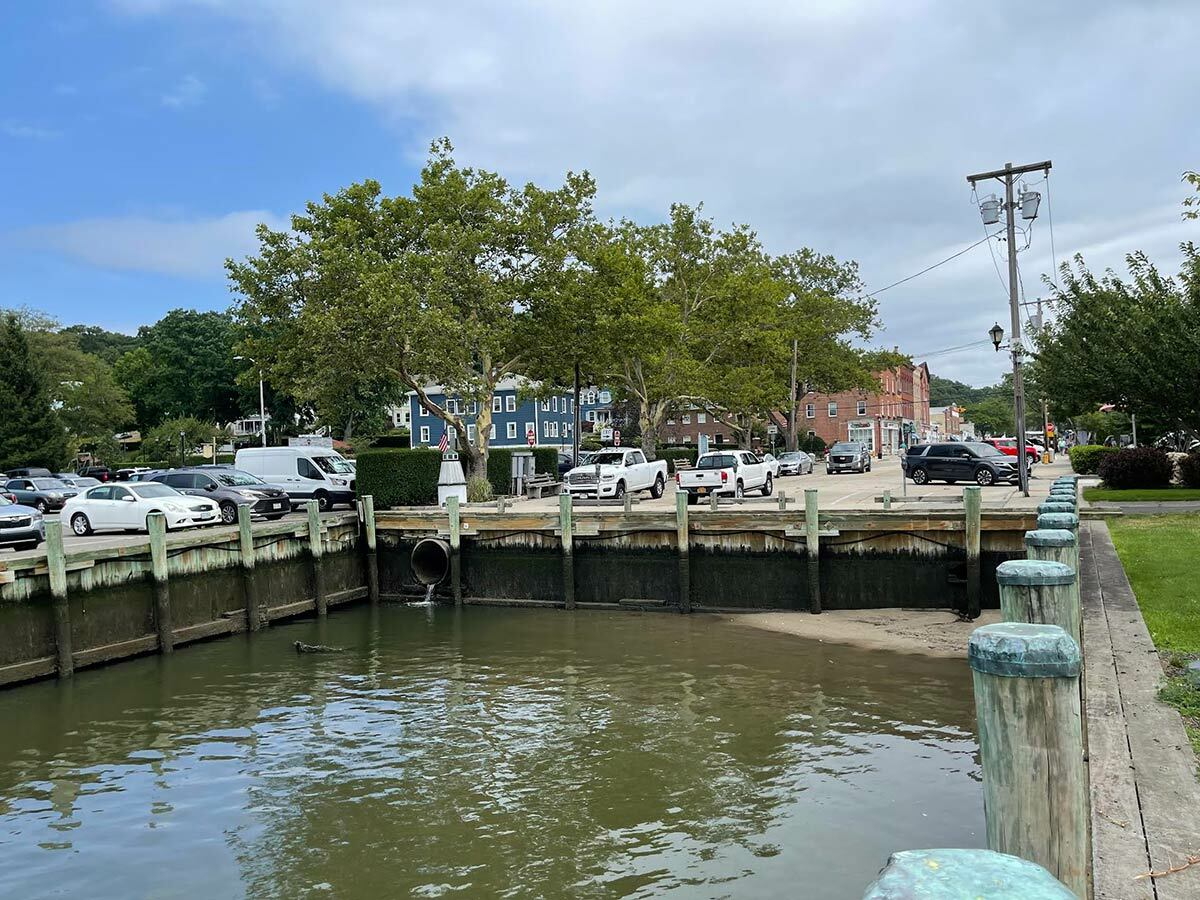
x: 483, y: 430
x: 650, y: 417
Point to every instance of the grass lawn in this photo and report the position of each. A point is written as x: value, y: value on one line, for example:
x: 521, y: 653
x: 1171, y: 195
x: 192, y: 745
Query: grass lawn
x: 1133, y: 495
x: 1161, y: 555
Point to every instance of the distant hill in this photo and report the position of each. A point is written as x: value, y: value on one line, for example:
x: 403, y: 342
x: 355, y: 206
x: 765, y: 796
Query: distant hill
x: 944, y: 391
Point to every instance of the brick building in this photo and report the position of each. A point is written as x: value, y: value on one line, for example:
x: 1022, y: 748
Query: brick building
x: 894, y: 416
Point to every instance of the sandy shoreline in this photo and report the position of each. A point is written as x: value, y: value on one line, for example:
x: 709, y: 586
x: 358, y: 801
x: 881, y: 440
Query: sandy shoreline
x: 920, y: 631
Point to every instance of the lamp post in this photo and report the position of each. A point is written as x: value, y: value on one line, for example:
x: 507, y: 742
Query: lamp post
x: 262, y: 407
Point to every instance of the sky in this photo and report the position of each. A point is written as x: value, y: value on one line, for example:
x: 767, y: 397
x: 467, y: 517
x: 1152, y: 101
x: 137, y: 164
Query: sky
x: 141, y: 141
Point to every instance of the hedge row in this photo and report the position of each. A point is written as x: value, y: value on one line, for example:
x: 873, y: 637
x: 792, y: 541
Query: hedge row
x: 399, y: 477
x: 1085, y: 458
x: 1189, y: 470
x: 545, y: 461
x: 499, y: 471
x: 1137, y: 467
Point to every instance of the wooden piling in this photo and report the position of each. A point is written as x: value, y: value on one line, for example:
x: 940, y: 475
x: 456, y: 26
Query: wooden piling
x: 681, y: 543
x: 713, y: 502
x: 973, y: 513
x: 783, y: 500
x: 568, y: 558
x: 1039, y: 592
x: 1055, y: 545
x: 156, y: 524
x: 1035, y: 802
x: 316, y: 549
x: 455, y: 517
x: 628, y: 505
x: 812, y: 539
x: 56, y: 562
x: 254, y: 618
x: 368, y: 514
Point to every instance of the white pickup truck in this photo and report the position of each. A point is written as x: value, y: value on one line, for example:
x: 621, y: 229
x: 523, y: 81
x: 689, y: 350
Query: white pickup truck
x: 728, y: 472
x: 616, y: 472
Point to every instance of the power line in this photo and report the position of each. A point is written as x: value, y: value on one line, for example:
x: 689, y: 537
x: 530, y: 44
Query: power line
x: 934, y: 266
x: 991, y: 249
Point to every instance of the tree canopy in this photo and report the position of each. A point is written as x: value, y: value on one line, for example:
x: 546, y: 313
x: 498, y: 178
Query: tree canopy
x: 30, y: 430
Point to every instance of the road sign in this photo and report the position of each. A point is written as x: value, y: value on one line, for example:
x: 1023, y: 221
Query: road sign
x: 772, y: 429
x: 531, y: 437
x: 606, y: 434
x: 616, y: 438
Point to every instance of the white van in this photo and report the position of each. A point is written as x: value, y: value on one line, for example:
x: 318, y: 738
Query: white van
x: 306, y: 473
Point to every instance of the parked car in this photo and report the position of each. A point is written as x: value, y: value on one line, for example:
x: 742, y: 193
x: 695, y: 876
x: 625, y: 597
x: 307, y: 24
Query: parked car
x: 82, y: 482
x: 305, y: 473
x: 127, y: 506
x: 130, y: 473
x: 100, y: 473
x: 796, y: 462
x: 21, y: 527
x: 1008, y: 446
x: 772, y: 463
x: 565, y: 464
x: 727, y: 472
x: 616, y: 472
x: 43, y: 494
x: 29, y: 472
x: 231, y: 489
x: 848, y: 456
x: 974, y: 461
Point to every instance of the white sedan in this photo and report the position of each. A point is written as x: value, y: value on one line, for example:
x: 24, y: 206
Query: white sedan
x: 126, y: 507
x: 797, y: 462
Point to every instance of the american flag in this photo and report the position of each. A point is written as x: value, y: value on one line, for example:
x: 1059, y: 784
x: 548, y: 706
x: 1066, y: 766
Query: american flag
x: 444, y: 442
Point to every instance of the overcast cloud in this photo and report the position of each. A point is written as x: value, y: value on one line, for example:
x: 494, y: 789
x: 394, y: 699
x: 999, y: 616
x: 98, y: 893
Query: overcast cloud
x: 844, y: 126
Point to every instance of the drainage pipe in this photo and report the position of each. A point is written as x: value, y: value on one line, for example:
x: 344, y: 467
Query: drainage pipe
x: 430, y: 561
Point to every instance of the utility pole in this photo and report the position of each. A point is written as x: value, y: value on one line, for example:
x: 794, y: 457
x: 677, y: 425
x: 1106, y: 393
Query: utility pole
x: 575, y: 419
x: 1006, y: 175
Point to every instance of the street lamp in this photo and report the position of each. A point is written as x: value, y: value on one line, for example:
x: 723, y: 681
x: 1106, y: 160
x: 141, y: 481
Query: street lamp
x: 996, y: 333
x: 262, y: 407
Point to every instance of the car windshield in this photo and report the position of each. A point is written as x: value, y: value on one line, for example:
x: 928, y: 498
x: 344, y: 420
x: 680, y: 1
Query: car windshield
x: 332, y: 465
x: 152, y: 489
x: 50, y: 484
x: 792, y: 455
x: 236, y: 477
x: 607, y: 459
x: 846, y: 448
x: 716, y: 461
x: 86, y: 482
x: 985, y: 450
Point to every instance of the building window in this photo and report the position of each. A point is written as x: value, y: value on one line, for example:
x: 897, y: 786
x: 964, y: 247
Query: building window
x: 424, y: 412
x: 718, y: 438
x: 492, y: 432
x: 424, y: 434
x: 832, y: 409
x: 452, y: 407
x: 474, y: 407
x: 512, y: 431
x: 862, y: 407
x: 670, y: 421
x: 687, y: 418
x: 510, y: 403
x: 590, y: 415
x: 545, y: 429
x: 470, y: 434
x: 497, y: 403
x: 590, y: 398
x: 701, y: 418
x: 812, y: 434
x: 530, y: 428
x: 605, y: 397
x: 545, y: 406
x: 554, y: 404
x: 810, y: 410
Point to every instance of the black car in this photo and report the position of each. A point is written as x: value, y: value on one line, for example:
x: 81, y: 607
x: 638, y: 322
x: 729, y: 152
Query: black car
x: 959, y: 461
x: 43, y: 494
x: 565, y: 463
x: 100, y: 473
x: 29, y: 472
x: 231, y: 488
x: 848, y: 456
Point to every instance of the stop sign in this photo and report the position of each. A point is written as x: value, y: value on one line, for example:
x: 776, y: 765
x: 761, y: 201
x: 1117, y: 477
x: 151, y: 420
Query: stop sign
x: 616, y: 438
x: 531, y: 437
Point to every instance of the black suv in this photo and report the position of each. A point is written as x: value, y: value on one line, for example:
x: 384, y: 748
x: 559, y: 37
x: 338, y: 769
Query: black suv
x: 959, y: 461
x: 231, y: 488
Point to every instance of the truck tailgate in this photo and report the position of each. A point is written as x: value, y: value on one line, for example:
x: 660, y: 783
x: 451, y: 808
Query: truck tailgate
x: 708, y: 478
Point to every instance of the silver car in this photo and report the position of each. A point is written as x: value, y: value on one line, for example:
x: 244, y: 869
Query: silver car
x: 796, y: 462
x: 21, y: 527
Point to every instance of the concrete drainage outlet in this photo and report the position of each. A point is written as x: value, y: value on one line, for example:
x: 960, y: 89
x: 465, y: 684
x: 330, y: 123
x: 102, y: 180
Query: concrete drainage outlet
x: 430, y: 561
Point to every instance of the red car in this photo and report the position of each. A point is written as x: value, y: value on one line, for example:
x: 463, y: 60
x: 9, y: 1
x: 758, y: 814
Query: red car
x: 1008, y: 446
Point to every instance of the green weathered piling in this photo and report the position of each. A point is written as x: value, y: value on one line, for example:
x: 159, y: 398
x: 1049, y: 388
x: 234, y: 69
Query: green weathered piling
x: 812, y: 539
x: 316, y: 550
x: 1039, y: 592
x: 681, y: 544
x: 955, y: 874
x: 1055, y: 545
x: 156, y: 524
x: 568, y: 558
x: 1026, y: 680
x: 56, y: 563
x: 368, y: 514
x: 249, y: 586
x: 1066, y: 521
x: 455, y: 516
x: 1056, y: 506
x: 973, y: 524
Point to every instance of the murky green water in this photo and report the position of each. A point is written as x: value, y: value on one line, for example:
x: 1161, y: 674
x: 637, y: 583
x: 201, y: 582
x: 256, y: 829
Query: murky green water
x: 492, y: 753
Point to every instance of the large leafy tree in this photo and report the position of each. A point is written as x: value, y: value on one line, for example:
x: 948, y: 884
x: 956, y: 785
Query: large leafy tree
x: 1134, y: 343
x: 108, y: 345
x: 30, y: 431
x: 367, y: 297
x: 162, y: 443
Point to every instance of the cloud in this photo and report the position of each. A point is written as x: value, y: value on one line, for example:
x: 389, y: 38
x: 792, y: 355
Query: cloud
x: 846, y: 125
x: 26, y: 132
x: 195, y: 248
x: 189, y: 91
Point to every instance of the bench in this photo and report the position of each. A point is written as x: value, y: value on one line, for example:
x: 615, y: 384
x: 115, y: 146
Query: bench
x: 540, y: 485
x: 681, y: 465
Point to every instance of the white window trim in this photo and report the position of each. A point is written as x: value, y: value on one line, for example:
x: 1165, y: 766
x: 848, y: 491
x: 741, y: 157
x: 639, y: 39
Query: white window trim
x: 862, y: 408
x: 810, y: 410
x: 471, y: 434
x: 497, y: 404
x: 832, y: 409
x: 510, y: 403
x: 511, y: 431
x: 424, y: 434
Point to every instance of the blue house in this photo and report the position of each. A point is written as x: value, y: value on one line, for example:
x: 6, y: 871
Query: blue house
x: 550, y: 419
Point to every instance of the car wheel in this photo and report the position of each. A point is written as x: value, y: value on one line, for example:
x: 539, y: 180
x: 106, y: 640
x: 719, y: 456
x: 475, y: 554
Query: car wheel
x: 766, y: 489
x: 620, y: 495
x: 322, y: 499
x: 80, y: 525
x: 229, y: 513
x: 920, y: 476
x: 657, y: 490
x: 739, y: 491
x: 984, y: 477
x: 41, y: 506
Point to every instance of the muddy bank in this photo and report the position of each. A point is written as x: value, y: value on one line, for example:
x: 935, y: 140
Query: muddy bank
x: 921, y: 631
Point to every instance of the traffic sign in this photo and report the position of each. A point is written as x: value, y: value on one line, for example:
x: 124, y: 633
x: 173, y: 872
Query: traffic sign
x: 772, y: 429
x: 531, y: 437
x: 616, y: 438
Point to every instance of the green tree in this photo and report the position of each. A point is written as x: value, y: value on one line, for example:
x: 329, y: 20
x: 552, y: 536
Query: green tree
x: 991, y: 416
x: 108, y: 345
x: 30, y: 432
x: 162, y: 443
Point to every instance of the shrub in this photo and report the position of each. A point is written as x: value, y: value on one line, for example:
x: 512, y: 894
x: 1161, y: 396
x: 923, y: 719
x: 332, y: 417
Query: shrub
x: 399, y: 477
x: 479, y: 490
x: 674, y: 454
x: 1189, y: 470
x: 811, y: 443
x: 1085, y: 458
x: 545, y: 461
x: 499, y: 471
x: 1138, y: 467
